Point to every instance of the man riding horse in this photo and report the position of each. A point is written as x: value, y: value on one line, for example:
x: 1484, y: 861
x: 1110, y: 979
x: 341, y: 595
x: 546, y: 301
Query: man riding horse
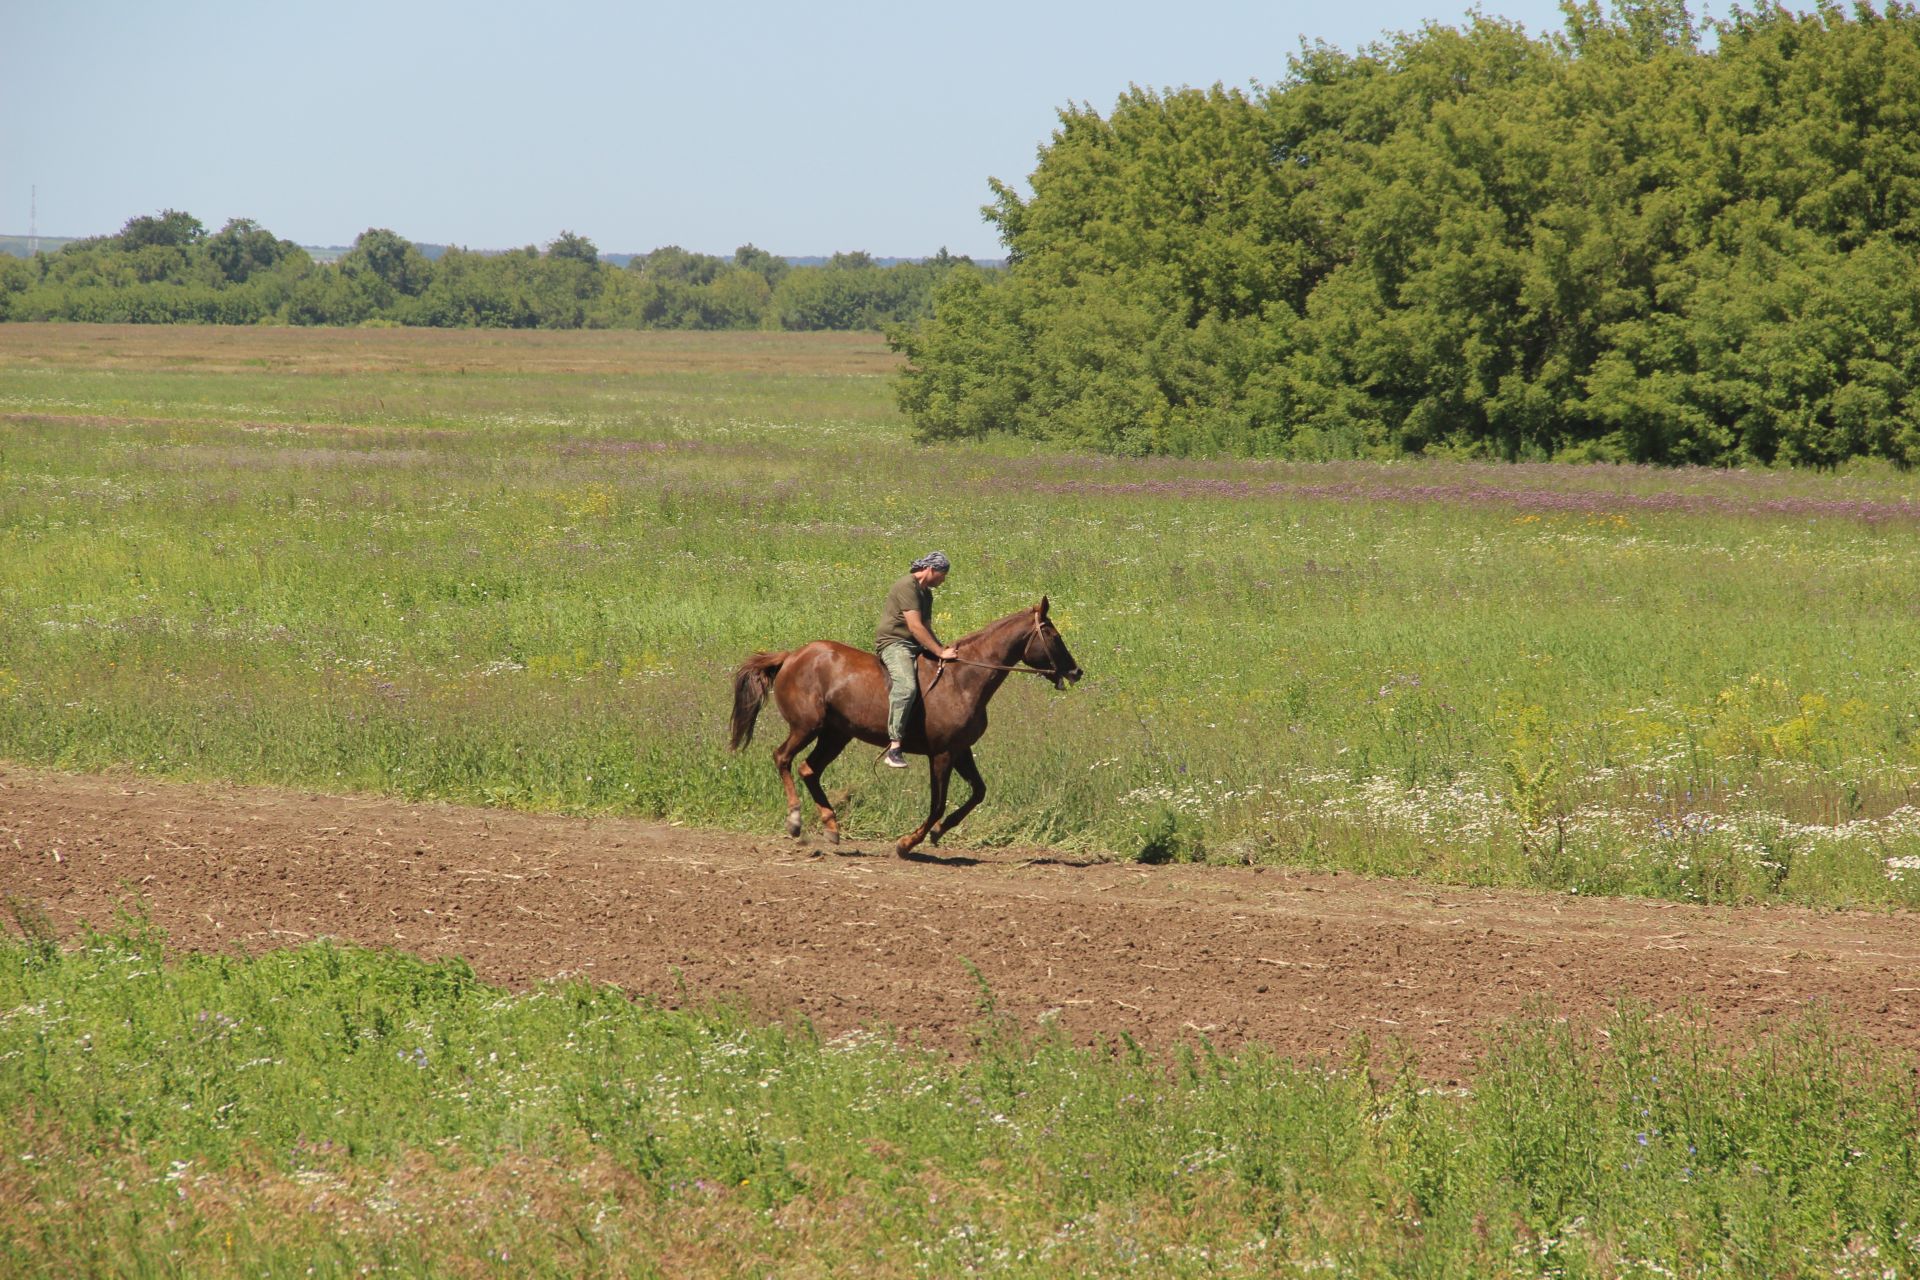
x: 831, y: 694
x: 906, y: 629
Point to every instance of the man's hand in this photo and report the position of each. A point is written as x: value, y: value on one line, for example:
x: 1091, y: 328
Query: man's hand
x: 948, y: 653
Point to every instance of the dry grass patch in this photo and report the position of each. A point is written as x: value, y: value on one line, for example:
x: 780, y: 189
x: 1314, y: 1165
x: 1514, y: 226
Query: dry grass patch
x: 230, y: 349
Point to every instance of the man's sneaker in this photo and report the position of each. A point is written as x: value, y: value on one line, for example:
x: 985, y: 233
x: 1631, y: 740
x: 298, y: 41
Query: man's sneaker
x: 893, y: 759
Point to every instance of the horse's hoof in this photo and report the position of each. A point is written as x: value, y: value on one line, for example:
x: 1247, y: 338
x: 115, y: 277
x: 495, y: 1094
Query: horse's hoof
x: 902, y: 849
x: 793, y: 825
x: 933, y: 836
x: 833, y: 835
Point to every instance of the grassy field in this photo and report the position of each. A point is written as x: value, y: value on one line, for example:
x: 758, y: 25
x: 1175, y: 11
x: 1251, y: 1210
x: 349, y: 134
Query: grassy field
x: 208, y: 1116
x: 518, y: 569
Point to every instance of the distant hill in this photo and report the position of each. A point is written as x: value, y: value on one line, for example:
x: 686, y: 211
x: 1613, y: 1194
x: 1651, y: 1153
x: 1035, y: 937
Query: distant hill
x: 17, y: 245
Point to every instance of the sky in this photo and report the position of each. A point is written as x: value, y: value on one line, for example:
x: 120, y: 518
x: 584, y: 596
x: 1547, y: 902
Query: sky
x: 803, y: 128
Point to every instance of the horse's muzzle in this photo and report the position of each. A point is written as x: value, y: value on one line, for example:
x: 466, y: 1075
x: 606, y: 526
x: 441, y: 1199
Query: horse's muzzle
x: 1065, y: 678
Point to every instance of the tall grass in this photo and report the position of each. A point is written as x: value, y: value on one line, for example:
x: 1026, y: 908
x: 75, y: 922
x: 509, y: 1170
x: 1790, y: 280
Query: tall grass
x: 520, y: 575
x: 328, y: 1110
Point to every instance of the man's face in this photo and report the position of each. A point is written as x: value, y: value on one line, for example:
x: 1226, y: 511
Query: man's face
x: 936, y: 576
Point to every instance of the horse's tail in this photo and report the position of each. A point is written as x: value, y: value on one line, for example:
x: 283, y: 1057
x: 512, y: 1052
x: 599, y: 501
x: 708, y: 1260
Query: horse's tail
x: 750, y: 685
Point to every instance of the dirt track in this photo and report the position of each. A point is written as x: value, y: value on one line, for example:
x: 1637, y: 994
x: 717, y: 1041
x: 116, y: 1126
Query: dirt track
x: 859, y: 937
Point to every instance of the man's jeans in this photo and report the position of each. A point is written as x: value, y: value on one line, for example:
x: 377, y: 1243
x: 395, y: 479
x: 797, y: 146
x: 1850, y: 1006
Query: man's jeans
x: 904, y: 676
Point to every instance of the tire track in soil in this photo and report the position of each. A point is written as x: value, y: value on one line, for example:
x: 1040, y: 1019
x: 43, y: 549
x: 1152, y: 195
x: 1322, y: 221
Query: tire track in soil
x: 857, y: 937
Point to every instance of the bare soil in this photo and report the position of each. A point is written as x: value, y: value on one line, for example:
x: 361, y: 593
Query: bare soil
x: 858, y: 937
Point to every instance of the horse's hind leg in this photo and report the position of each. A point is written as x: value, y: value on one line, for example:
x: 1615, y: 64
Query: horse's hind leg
x: 829, y: 748
x: 783, y: 755
x: 977, y: 791
x: 939, y: 769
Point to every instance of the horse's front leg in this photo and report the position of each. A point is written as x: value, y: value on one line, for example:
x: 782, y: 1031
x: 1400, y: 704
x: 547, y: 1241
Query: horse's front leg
x: 939, y: 769
x: 977, y: 791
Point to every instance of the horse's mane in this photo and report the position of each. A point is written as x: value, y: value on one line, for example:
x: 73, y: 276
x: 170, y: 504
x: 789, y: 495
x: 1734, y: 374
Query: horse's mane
x: 993, y: 626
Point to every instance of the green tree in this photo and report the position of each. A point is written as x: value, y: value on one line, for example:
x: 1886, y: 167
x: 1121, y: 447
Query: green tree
x: 569, y: 247
x: 487, y: 291
x: 570, y: 276
x: 1611, y: 243
x: 243, y: 247
x: 382, y: 256
x: 672, y: 264
x: 764, y: 264
x: 170, y: 228
x: 16, y: 277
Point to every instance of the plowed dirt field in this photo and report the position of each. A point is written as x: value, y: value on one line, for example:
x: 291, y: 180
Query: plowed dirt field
x: 856, y: 936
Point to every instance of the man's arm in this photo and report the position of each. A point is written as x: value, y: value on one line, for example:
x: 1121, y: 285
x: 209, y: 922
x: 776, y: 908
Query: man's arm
x: 924, y: 637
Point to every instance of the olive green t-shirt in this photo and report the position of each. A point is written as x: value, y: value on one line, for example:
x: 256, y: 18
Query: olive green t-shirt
x: 901, y: 596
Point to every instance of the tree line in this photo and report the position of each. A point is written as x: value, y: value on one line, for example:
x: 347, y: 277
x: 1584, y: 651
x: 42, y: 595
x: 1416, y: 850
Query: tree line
x: 1642, y: 238
x: 167, y: 268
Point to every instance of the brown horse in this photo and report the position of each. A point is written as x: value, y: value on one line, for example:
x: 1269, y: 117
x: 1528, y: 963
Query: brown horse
x: 836, y: 693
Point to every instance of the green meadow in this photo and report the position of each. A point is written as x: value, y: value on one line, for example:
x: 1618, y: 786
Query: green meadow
x: 519, y: 569
x: 188, y: 1115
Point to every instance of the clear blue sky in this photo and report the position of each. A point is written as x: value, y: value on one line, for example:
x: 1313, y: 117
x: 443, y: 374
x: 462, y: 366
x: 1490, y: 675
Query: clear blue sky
x: 802, y: 127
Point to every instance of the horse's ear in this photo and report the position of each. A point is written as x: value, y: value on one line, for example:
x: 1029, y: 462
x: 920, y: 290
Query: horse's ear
x: 1043, y: 606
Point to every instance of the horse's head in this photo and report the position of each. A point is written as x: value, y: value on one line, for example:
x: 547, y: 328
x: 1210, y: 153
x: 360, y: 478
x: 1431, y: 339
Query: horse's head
x: 1046, y: 651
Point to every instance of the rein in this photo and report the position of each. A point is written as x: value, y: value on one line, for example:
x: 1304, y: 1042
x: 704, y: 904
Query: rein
x: 995, y: 666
